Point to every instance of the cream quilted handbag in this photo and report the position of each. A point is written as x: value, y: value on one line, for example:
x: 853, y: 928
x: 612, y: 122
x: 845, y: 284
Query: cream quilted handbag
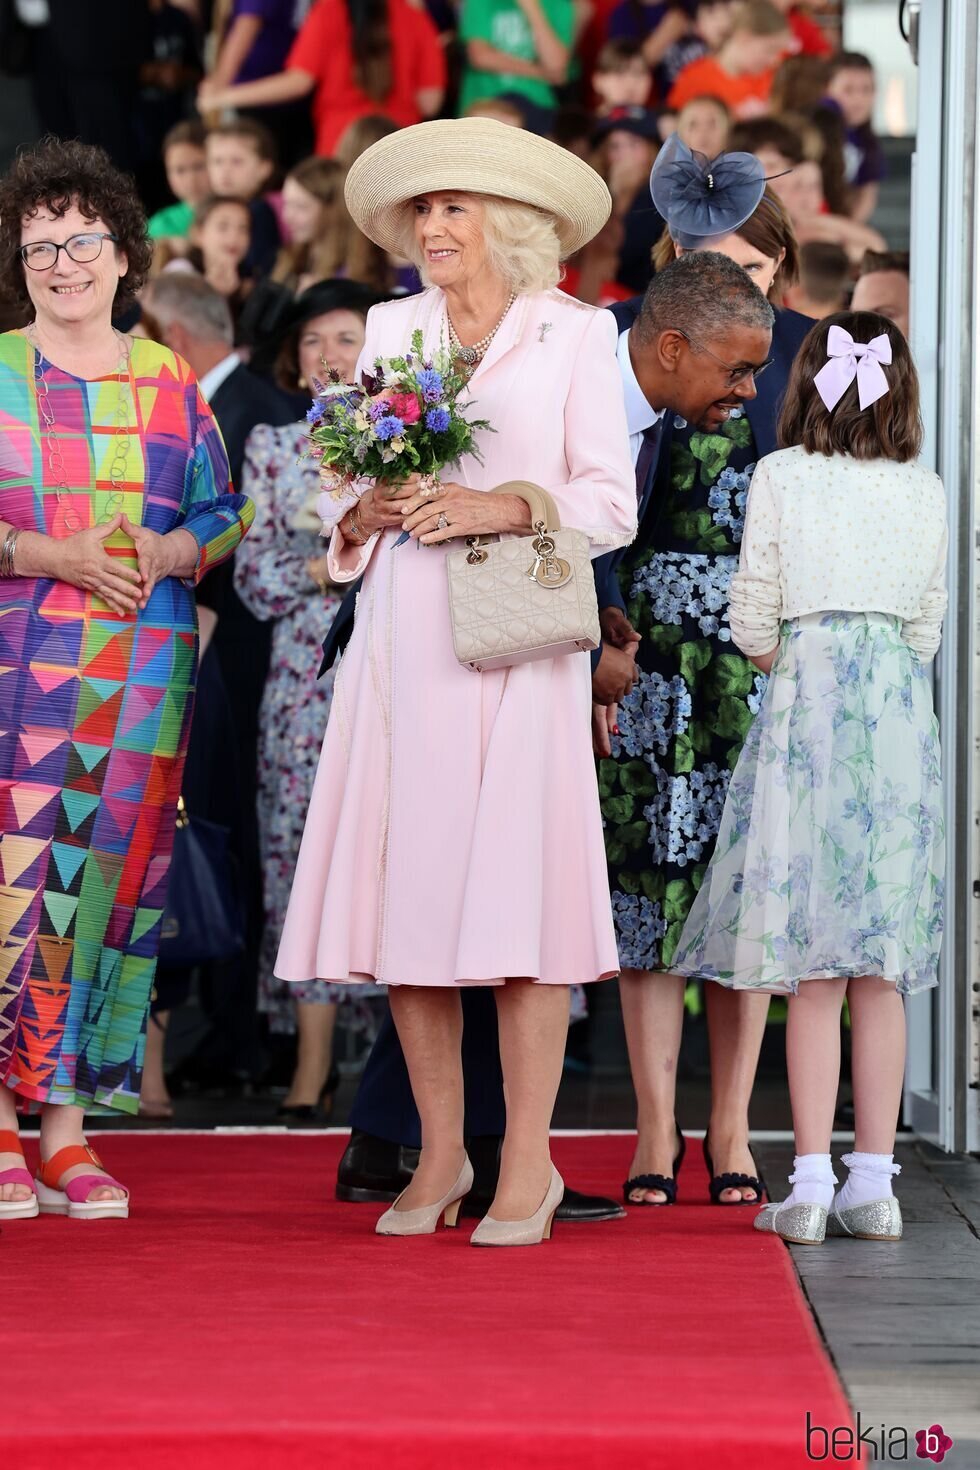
x: 525, y: 597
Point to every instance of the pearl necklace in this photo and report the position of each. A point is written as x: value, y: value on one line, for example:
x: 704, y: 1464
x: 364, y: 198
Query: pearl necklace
x: 472, y: 355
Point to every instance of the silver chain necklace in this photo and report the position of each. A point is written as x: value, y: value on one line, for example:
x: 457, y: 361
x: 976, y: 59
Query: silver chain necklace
x: 472, y: 355
x: 56, y: 460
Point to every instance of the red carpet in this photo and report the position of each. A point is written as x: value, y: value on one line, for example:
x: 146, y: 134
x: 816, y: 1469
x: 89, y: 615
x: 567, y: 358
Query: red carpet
x: 242, y: 1319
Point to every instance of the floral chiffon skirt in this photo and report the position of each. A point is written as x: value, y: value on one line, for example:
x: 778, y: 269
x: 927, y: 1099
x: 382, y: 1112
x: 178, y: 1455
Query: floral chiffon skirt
x: 830, y: 856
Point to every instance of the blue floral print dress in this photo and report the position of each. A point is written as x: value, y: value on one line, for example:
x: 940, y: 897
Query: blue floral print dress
x: 830, y: 859
x: 273, y: 582
x: 682, y: 728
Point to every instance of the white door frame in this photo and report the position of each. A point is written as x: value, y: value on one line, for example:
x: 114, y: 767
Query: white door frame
x: 941, y: 1098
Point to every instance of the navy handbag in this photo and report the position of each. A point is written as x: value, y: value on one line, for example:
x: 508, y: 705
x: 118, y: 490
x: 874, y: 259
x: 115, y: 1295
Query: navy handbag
x: 203, y: 918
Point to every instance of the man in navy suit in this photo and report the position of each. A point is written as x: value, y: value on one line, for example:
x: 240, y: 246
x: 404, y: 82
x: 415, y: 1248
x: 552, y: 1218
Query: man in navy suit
x: 663, y: 370
x: 673, y: 373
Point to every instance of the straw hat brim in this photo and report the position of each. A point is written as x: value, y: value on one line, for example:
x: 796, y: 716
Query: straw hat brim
x: 475, y: 155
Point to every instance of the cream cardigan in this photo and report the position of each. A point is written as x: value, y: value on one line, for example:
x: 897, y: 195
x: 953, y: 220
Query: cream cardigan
x: 831, y: 533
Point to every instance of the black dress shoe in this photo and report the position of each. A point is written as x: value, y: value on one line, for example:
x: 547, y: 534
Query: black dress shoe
x: 585, y: 1209
x: 374, y: 1170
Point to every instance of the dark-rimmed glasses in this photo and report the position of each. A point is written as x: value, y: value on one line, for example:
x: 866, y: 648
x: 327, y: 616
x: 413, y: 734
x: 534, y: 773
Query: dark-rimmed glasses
x: 41, y: 255
x: 736, y: 375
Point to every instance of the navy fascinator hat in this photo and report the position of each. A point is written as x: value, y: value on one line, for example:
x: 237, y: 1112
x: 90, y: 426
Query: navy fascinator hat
x: 700, y: 198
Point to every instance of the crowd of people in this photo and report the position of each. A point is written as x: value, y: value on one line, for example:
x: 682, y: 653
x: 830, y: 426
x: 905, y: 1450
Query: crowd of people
x: 247, y: 125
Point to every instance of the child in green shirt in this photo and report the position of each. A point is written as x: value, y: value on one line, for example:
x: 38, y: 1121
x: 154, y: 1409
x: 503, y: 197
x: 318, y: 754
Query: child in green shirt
x: 187, y: 174
x: 520, y: 46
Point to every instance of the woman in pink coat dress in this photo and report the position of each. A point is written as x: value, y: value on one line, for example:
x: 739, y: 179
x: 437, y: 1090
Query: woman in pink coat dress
x: 454, y: 835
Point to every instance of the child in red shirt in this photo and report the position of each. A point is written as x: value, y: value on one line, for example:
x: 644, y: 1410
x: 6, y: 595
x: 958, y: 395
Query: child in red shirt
x: 402, y: 74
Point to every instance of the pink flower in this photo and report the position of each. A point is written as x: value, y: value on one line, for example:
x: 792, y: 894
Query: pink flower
x: 405, y: 406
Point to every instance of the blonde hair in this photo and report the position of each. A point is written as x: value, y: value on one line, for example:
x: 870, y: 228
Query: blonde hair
x: 521, y: 241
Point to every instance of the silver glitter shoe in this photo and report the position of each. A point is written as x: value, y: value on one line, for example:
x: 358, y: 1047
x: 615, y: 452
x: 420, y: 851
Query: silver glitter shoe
x: 880, y: 1219
x: 799, y: 1224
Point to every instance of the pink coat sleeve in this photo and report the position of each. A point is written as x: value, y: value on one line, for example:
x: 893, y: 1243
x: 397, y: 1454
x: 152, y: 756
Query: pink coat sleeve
x: 599, y: 495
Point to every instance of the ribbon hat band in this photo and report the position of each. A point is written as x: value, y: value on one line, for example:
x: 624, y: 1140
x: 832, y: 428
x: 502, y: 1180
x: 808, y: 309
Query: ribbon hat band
x: 847, y: 360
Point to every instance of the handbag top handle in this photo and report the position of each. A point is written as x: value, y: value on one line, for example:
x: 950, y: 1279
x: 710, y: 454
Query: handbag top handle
x: 543, y: 508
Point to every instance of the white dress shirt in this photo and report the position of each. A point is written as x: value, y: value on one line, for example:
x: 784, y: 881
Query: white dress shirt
x: 215, y: 376
x: 639, y: 414
x: 828, y: 533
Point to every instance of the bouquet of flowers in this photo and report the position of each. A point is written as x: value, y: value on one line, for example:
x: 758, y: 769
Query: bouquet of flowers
x: 405, y: 418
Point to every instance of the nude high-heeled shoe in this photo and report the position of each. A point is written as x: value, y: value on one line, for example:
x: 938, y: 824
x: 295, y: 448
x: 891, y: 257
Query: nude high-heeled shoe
x: 425, y: 1219
x: 523, y: 1232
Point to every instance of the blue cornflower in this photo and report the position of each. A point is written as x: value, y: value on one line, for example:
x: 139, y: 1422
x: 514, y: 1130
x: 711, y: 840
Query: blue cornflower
x: 314, y: 414
x: 437, y: 419
x: 390, y: 427
x: 430, y: 384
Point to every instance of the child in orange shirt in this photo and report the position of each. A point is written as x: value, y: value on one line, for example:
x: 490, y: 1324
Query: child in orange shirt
x: 741, y: 73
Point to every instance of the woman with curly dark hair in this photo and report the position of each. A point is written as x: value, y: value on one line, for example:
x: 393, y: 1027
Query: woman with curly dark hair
x: 114, y: 501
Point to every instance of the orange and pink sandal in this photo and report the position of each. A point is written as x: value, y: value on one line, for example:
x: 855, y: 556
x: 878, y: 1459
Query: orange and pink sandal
x: 16, y: 1209
x: 73, y: 1200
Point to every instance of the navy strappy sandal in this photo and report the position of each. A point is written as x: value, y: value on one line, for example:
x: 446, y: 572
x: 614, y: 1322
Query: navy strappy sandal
x: 720, y: 1182
x: 657, y: 1181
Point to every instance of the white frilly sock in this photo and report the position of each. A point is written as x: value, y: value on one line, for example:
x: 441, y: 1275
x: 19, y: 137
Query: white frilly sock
x: 813, y: 1180
x: 869, y: 1177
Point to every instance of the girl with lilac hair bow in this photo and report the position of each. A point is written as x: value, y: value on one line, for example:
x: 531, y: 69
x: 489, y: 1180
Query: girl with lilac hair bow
x: 827, y: 879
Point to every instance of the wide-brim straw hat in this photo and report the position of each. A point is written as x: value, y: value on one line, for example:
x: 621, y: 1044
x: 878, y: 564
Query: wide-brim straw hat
x: 475, y: 155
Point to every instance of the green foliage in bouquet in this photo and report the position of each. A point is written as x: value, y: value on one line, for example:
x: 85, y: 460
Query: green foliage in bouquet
x: 407, y: 417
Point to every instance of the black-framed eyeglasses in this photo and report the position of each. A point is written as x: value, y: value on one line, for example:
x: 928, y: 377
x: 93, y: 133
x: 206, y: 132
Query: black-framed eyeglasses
x: 736, y: 375
x: 41, y: 255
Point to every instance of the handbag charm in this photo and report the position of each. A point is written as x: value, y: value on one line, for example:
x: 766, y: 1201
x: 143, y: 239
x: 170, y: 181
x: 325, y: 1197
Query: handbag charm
x: 548, y: 570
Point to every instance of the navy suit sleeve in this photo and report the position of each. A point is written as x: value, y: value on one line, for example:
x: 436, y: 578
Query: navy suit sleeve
x: 607, y: 589
x: 338, y: 634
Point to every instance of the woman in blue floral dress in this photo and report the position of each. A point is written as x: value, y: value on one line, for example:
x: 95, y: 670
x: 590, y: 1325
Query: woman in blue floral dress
x: 680, y: 734
x: 284, y: 578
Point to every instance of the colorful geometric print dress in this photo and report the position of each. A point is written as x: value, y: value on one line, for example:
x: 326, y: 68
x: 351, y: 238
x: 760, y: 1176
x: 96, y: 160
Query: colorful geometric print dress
x: 682, y: 728
x: 95, y: 710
